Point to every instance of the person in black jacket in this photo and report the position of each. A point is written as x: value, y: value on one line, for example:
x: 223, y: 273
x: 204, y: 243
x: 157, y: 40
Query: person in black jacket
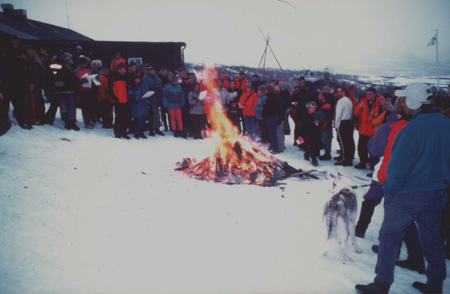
x: 256, y: 82
x: 270, y: 114
x: 298, y: 102
x: 5, y: 123
x: 287, y: 102
x: 62, y: 84
x: 312, y: 123
x: 18, y: 76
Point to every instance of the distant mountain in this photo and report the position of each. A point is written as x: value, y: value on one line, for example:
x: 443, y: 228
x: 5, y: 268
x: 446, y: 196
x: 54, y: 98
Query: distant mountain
x: 388, y: 63
x: 384, y: 73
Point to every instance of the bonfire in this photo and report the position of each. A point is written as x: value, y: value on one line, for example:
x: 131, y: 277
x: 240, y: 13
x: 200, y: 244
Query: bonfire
x: 236, y: 159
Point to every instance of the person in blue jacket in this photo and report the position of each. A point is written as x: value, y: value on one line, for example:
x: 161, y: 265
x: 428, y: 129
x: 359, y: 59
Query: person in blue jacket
x: 416, y: 179
x: 152, y: 82
x: 138, y: 106
x: 173, y: 100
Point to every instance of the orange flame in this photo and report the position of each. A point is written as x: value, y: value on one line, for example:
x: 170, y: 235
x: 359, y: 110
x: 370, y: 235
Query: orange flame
x: 236, y: 159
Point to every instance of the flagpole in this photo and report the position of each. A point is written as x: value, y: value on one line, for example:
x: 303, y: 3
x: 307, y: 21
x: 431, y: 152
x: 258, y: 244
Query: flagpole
x: 437, y: 58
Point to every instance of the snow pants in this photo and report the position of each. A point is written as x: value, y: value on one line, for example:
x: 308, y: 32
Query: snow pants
x: 400, y: 210
x: 175, y: 119
x: 345, y: 136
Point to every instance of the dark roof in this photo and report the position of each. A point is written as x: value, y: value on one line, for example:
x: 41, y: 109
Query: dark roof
x: 27, y: 29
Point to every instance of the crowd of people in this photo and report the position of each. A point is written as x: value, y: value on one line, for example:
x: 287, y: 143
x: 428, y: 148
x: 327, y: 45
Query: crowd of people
x: 115, y: 97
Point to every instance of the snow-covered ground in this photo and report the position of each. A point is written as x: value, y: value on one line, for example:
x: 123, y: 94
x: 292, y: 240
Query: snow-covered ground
x: 83, y: 212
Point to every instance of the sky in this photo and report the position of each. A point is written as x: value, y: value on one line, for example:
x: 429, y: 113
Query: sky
x: 315, y: 34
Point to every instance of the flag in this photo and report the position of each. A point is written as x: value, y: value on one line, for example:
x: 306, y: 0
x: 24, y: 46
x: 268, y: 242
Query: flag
x: 433, y: 41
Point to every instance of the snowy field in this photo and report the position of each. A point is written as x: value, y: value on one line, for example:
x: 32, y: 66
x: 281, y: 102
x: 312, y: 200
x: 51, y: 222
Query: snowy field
x: 83, y: 212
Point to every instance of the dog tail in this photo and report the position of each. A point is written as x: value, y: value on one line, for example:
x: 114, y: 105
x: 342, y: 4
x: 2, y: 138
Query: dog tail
x: 329, y: 214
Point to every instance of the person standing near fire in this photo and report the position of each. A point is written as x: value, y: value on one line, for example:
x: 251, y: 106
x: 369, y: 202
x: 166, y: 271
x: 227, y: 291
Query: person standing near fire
x: 85, y: 91
x: 173, y: 100
x: 298, y: 107
x: 247, y: 103
x: 118, y: 89
x: 116, y: 61
x: 234, y: 113
x: 343, y: 122
x: 152, y: 82
x: 241, y: 81
x: 366, y: 110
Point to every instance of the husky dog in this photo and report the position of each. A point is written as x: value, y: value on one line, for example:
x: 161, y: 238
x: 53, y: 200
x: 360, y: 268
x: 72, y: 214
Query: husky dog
x: 340, y: 212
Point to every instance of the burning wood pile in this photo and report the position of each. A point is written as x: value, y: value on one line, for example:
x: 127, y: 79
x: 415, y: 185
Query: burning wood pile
x: 236, y: 159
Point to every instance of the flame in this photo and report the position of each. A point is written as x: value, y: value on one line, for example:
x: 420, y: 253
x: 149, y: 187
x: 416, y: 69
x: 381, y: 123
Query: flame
x: 236, y: 159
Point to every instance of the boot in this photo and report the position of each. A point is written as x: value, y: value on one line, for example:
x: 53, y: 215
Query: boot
x: 64, y: 117
x: 142, y: 136
x: 425, y: 288
x: 365, y: 216
x: 158, y: 132
x: 407, y: 265
x: 326, y: 156
x: 361, y: 165
x: 306, y: 155
x: 373, y: 288
x: 136, y: 135
x: 151, y: 133
x: 176, y: 134
x: 72, y: 125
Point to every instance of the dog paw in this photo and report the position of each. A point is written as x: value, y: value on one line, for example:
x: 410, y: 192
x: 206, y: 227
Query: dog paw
x: 357, y: 250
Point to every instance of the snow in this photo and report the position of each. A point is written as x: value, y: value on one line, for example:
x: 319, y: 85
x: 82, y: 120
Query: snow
x: 83, y: 212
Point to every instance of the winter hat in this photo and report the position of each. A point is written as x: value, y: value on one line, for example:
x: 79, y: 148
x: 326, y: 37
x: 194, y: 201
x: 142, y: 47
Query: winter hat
x: 82, y: 60
x: 311, y: 104
x: 79, y: 47
x: 95, y: 63
x: 416, y: 94
x: 68, y: 58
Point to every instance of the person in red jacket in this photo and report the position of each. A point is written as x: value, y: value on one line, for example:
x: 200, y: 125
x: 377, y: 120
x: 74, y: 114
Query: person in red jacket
x: 105, y: 100
x: 247, y: 103
x: 116, y: 61
x: 118, y: 89
x: 86, y: 97
x: 241, y: 81
x: 365, y: 111
x: 225, y: 80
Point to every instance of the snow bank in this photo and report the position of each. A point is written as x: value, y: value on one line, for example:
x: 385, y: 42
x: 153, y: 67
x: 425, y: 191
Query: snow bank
x: 83, y: 212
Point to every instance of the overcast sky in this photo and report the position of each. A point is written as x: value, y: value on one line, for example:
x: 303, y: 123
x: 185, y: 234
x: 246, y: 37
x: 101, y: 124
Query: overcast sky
x: 315, y: 34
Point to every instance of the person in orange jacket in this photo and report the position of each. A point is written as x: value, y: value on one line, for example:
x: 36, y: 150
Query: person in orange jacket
x: 117, y: 87
x: 367, y: 109
x: 225, y: 80
x: 247, y: 103
x: 116, y: 61
x: 385, y: 111
x: 241, y: 81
